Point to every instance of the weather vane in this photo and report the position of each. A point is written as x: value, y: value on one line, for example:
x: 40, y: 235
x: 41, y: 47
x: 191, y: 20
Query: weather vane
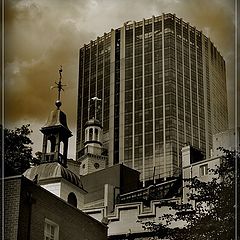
x: 59, y: 86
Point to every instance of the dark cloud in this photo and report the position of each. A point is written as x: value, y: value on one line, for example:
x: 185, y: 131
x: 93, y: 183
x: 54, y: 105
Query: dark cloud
x: 42, y: 35
x: 35, y: 48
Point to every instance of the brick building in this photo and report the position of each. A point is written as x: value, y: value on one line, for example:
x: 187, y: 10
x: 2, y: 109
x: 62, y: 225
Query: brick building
x: 31, y: 212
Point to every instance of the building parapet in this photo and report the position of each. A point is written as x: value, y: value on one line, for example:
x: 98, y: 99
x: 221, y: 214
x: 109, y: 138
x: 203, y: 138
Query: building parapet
x: 141, y: 210
x: 128, y: 217
x: 146, y: 195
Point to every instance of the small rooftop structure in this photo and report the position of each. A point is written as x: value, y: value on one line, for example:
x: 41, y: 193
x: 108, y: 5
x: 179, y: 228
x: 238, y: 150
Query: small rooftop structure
x: 51, y: 171
x: 103, y: 186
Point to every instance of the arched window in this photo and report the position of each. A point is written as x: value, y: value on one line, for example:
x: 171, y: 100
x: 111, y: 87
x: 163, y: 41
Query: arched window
x: 51, y: 143
x: 61, y: 148
x: 48, y: 150
x: 96, y: 134
x: 72, y: 199
x: 90, y: 134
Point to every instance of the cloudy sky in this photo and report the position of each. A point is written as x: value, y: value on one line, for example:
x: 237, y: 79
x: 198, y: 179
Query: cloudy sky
x: 41, y: 35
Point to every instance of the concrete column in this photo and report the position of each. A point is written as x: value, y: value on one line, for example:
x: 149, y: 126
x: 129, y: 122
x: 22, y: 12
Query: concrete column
x: 186, y: 156
x: 109, y: 198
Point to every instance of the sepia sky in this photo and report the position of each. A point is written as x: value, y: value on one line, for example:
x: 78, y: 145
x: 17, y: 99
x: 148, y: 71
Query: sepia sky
x: 41, y: 35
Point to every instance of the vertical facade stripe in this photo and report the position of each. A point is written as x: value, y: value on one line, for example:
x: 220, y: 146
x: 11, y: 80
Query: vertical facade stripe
x: 210, y: 92
x: 96, y: 69
x: 153, y: 96
x: 164, y: 118
x: 143, y: 102
x: 89, y: 82
x: 176, y: 82
x: 190, y: 82
x: 103, y: 84
x: 122, y: 94
x: 81, y: 104
x: 183, y: 77
x: 197, y: 79
x: 133, y: 127
x: 205, y: 91
x: 111, y: 100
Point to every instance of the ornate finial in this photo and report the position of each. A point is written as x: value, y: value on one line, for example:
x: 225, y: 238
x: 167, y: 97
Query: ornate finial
x: 59, y: 86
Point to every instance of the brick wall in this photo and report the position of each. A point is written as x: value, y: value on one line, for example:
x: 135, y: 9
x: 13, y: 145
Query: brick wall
x: 36, y: 204
x: 12, y: 188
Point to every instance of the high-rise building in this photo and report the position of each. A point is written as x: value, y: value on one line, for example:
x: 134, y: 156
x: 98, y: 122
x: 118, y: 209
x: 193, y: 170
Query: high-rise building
x: 162, y: 84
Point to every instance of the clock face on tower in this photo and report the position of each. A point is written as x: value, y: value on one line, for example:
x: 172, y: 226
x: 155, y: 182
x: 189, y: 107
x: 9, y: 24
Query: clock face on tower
x: 96, y: 165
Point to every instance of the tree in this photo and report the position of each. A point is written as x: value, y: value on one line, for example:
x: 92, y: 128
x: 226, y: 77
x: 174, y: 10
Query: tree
x: 210, y: 211
x: 17, y: 150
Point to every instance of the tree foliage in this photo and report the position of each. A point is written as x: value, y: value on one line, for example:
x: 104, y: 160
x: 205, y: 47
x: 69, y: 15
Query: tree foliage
x: 17, y: 150
x: 210, y: 210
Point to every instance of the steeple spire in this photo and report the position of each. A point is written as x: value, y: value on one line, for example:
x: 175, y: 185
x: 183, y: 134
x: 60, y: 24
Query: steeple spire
x: 56, y: 132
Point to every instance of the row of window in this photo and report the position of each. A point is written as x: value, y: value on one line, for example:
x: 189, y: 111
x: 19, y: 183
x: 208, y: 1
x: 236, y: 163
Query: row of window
x: 93, y: 134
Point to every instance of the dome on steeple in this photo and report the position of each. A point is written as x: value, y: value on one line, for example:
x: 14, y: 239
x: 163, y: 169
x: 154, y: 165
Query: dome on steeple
x: 93, y: 122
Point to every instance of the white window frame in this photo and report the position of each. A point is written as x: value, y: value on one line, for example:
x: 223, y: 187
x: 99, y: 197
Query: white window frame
x: 56, y: 230
x: 203, y: 170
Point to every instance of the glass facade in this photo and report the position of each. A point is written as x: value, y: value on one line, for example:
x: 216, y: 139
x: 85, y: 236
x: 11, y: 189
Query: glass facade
x: 94, y: 81
x: 170, y: 81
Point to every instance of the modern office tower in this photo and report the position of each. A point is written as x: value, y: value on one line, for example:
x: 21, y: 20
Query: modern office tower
x: 162, y: 84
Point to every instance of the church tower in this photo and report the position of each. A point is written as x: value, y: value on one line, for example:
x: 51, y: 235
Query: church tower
x: 56, y: 132
x: 52, y: 172
x: 93, y: 158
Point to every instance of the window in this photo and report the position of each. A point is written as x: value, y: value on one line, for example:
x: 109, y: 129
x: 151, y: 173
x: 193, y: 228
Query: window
x: 90, y: 134
x: 72, y: 199
x: 203, y: 170
x: 61, y: 148
x: 96, y: 165
x: 51, y: 230
x: 96, y: 134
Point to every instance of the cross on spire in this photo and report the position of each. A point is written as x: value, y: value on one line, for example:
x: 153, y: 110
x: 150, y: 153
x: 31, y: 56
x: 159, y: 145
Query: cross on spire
x: 59, y: 86
x: 95, y: 100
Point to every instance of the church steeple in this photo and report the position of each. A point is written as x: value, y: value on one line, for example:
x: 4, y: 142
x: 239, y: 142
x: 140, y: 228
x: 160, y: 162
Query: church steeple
x: 93, y: 128
x: 93, y: 156
x: 56, y: 132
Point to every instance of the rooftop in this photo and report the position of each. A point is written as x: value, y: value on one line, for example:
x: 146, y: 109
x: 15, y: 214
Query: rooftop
x: 53, y: 170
